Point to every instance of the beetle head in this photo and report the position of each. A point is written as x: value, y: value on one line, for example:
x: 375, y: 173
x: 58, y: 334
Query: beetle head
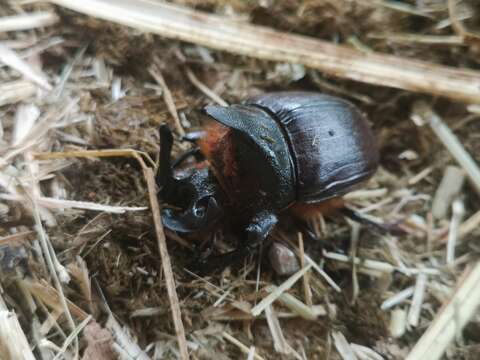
x: 196, y: 196
x: 194, y: 193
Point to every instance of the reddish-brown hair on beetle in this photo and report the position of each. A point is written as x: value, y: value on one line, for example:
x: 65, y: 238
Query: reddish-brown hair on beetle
x: 218, y: 147
x: 309, y: 211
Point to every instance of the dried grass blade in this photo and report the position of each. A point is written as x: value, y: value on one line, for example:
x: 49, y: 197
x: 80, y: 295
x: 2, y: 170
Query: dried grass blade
x: 27, y: 21
x: 279, y: 290
x: 295, y: 305
x: 417, y: 300
x: 15, y: 91
x: 10, y: 58
x: 397, y: 298
x: 423, y: 112
x: 124, y: 345
x: 173, y: 21
x: 241, y: 346
x: 49, y: 296
x: 13, y: 342
x: 166, y: 265
x: 74, y: 204
x: 167, y: 95
x: 342, y: 346
x: 279, y: 343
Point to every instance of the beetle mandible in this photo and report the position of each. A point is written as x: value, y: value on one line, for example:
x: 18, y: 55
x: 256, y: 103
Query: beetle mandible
x: 286, y: 150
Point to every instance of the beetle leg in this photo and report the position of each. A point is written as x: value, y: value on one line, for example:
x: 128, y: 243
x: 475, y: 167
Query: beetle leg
x: 165, y: 175
x: 165, y: 178
x: 308, y: 231
x: 257, y: 231
x: 384, y: 228
x: 195, y: 152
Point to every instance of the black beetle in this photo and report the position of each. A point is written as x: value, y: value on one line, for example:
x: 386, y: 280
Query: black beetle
x: 276, y: 151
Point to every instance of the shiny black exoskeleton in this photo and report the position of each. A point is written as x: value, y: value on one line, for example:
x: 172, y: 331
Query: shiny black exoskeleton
x: 271, y: 153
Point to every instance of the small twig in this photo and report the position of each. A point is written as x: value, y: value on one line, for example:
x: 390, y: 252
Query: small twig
x: 279, y: 342
x: 251, y: 353
x: 13, y: 342
x: 68, y: 69
x: 167, y: 95
x: 287, y: 284
x: 449, y: 188
x: 365, y: 353
x: 342, y: 346
x: 458, y: 210
x: 10, y: 58
x: 72, y: 337
x: 27, y: 21
x: 420, y: 176
x: 457, y: 24
x: 203, y: 88
x: 166, y: 265
x: 397, y: 298
x: 53, y: 264
x: 241, y: 346
x: 306, y: 279
x: 52, y: 203
x: 378, y: 265
x: 97, y: 153
x: 422, y: 112
x: 15, y: 91
x: 315, y: 266
x: 397, y: 6
x: 124, y: 345
x: 173, y: 21
x: 464, y: 229
x: 398, y: 322
x: 18, y: 238
x: 419, y: 39
x: 365, y: 194
x: 298, y: 307
x: 354, y: 240
x: 417, y: 300
x: 51, y: 297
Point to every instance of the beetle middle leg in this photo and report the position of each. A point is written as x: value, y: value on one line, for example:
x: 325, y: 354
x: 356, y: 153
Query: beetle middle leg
x: 256, y: 232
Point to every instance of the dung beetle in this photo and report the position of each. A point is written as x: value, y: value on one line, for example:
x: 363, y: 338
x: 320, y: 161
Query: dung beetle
x: 284, y: 150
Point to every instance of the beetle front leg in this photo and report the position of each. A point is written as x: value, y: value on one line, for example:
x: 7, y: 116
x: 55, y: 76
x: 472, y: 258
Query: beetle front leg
x: 193, y: 152
x: 193, y: 138
x: 259, y: 228
x: 257, y: 231
x: 165, y: 178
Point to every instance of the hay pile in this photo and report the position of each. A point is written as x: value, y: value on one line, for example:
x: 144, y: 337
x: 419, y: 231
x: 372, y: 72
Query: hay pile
x: 81, y: 100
